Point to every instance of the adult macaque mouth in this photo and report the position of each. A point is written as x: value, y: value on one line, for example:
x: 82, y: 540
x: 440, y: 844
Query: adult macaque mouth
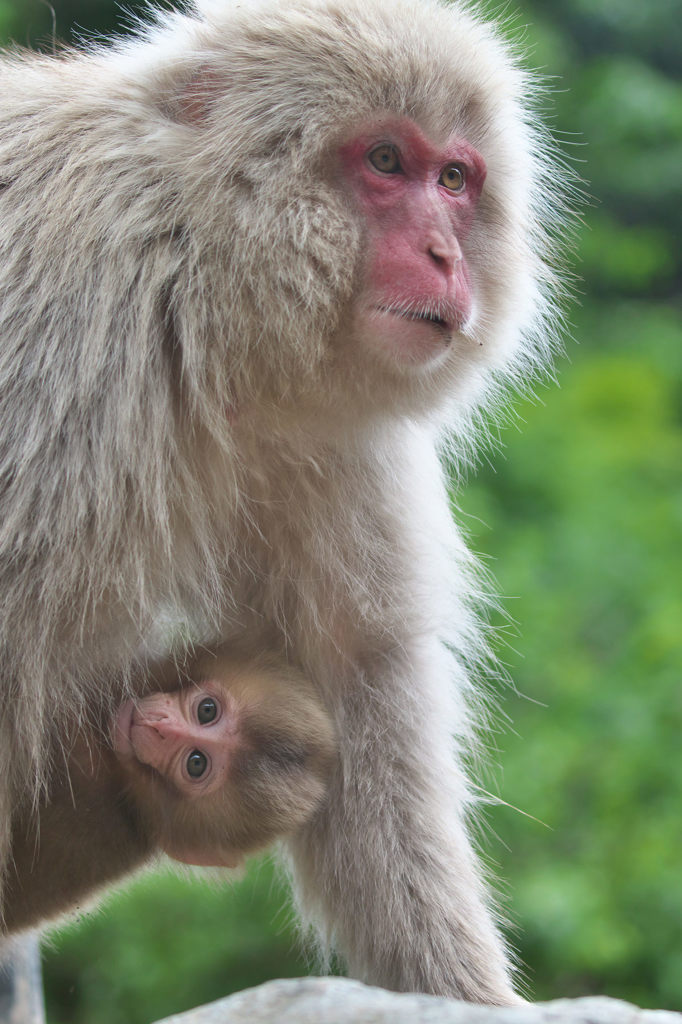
x: 431, y: 318
x: 416, y: 316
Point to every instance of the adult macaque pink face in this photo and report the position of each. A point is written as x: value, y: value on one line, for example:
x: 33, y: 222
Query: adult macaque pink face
x: 418, y: 202
x: 188, y: 736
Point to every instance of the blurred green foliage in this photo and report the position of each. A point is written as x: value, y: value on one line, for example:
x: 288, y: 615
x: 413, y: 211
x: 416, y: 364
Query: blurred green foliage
x: 581, y: 522
x: 166, y: 945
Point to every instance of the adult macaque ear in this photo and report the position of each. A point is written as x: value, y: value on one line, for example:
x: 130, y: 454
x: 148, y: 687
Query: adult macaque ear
x: 219, y: 858
x: 196, y: 96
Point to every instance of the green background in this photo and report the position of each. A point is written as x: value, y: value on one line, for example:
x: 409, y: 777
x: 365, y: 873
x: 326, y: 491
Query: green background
x: 579, y: 517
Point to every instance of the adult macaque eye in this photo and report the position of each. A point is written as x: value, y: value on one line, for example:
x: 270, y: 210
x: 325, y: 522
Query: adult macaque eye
x: 385, y: 158
x: 207, y: 711
x: 197, y: 764
x: 453, y: 178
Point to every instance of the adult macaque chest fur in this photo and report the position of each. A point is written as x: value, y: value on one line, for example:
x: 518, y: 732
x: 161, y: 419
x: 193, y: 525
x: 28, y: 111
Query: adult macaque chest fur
x: 257, y: 265
x: 237, y: 757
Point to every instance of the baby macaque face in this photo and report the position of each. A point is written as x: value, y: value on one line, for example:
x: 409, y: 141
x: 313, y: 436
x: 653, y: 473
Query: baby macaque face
x: 239, y: 755
x: 189, y: 736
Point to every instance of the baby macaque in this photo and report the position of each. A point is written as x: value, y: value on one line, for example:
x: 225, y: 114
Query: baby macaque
x: 205, y: 772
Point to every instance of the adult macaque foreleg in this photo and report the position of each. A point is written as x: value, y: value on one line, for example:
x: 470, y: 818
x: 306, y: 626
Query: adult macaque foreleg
x: 388, y: 865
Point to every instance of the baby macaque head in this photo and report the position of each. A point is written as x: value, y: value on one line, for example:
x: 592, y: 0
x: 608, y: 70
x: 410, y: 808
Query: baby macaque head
x: 237, y: 757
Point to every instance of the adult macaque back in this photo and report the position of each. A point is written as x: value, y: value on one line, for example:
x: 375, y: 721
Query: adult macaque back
x: 255, y: 266
x: 239, y: 756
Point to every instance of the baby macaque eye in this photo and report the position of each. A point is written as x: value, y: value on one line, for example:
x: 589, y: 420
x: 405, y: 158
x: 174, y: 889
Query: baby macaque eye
x: 196, y: 764
x: 453, y: 178
x: 207, y: 711
x: 385, y: 158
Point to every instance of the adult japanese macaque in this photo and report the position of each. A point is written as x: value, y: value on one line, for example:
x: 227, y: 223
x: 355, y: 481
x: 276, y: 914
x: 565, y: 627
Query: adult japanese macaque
x: 256, y: 265
x: 237, y: 757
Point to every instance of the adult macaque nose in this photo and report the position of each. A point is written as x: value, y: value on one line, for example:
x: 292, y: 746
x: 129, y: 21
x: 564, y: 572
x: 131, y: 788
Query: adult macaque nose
x: 444, y: 250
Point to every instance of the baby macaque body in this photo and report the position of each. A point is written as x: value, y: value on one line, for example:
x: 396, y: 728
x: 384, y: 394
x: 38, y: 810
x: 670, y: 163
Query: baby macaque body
x: 205, y: 772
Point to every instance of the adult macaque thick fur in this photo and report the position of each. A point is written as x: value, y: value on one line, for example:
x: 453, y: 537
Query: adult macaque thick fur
x: 257, y: 265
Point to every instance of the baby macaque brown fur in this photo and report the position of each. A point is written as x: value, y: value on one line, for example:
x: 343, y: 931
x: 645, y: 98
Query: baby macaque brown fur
x: 108, y: 812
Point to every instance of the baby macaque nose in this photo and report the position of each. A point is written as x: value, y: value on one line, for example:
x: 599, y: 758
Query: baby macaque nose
x: 167, y: 727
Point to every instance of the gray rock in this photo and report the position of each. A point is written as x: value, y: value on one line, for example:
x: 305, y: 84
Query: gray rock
x: 341, y: 1001
x: 21, y: 991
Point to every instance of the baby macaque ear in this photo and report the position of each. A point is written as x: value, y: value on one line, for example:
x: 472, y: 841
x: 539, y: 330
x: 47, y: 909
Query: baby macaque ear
x: 205, y: 858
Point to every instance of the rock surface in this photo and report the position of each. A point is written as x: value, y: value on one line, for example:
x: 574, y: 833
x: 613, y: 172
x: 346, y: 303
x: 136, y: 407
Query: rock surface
x: 341, y: 1001
x: 21, y: 991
